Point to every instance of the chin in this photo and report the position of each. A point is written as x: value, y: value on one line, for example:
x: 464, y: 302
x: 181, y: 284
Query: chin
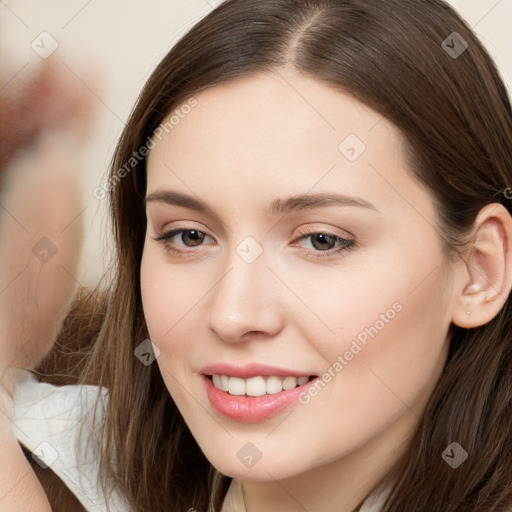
x: 266, y: 469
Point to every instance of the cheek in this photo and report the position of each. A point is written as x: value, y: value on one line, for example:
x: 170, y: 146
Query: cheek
x: 168, y: 295
x: 173, y: 300
x: 390, y: 344
x: 385, y: 316
x: 153, y: 300
x: 381, y: 367
x: 392, y: 299
x: 167, y: 306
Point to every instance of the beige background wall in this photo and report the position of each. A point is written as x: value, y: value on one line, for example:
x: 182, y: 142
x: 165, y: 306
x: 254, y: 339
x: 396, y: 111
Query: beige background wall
x: 122, y: 41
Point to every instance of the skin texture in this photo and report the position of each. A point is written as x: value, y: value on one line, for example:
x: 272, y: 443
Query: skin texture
x: 275, y: 135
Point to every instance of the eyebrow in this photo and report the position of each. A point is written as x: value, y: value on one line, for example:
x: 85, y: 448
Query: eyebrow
x: 275, y: 207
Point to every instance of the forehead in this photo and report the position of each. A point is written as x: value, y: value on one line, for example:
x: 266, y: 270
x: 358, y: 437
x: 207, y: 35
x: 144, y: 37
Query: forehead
x: 279, y: 109
x: 281, y: 130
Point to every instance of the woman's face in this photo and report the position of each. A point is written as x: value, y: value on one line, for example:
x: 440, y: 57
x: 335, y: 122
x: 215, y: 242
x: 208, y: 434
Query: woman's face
x: 267, y: 267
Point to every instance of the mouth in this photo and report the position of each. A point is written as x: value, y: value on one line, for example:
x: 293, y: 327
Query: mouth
x: 255, y: 393
x: 259, y: 385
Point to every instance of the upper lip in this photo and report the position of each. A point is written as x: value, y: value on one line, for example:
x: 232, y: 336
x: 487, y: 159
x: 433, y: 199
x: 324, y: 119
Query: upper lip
x: 250, y: 370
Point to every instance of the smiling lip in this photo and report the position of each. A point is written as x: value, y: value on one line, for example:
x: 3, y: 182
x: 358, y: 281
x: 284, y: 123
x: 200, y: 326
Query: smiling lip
x: 248, y: 409
x: 250, y: 370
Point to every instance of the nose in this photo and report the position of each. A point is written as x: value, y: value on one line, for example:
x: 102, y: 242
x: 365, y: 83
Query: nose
x: 245, y: 303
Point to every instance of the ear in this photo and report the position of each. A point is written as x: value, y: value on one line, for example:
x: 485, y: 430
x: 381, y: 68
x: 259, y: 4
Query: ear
x: 485, y: 281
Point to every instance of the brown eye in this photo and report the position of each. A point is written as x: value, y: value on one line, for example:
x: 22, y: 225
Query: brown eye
x: 193, y: 235
x: 189, y: 238
x: 323, y: 241
x: 324, y: 244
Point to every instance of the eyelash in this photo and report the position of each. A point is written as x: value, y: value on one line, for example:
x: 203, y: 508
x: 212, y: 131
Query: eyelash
x: 346, y: 245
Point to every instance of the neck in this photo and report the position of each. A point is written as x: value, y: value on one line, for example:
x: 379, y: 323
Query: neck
x: 343, y: 485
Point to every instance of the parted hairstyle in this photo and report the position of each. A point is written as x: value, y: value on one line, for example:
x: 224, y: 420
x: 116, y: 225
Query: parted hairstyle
x: 455, y: 117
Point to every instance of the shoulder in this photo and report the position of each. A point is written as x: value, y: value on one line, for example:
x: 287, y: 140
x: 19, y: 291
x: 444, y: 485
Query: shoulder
x: 60, y: 426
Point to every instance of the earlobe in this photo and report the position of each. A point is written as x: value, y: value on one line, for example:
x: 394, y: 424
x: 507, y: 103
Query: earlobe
x: 486, y: 280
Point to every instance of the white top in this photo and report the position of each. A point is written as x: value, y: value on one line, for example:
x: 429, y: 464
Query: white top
x: 234, y: 501
x: 48, y: 420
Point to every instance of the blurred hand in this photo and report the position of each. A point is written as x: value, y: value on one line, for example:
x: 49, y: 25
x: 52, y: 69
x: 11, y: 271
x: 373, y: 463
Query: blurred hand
x: 40, y: 237
x: 51, y: 99
x: 41, y: 229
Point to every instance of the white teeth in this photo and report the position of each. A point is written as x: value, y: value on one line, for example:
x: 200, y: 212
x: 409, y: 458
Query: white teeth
x: 224, y: 383
x: 236, y: 386
x: 274, y: 385
x: 289, y: 383
x: 256, y: 386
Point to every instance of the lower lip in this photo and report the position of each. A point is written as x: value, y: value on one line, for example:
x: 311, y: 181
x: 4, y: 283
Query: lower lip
x: 252, y: 409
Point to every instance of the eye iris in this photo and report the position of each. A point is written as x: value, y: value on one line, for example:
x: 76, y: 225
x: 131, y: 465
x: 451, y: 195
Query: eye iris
x: 197, y: 237
x: 324, y: 239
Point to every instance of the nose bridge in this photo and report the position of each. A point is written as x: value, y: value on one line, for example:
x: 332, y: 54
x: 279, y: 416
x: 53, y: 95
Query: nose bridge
x: 242, y: 298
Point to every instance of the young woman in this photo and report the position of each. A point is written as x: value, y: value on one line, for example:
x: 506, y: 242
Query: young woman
x: 312, y: 217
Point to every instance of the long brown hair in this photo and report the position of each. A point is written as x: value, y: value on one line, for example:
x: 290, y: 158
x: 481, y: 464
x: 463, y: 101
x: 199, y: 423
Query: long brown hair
x: 455, y: 116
